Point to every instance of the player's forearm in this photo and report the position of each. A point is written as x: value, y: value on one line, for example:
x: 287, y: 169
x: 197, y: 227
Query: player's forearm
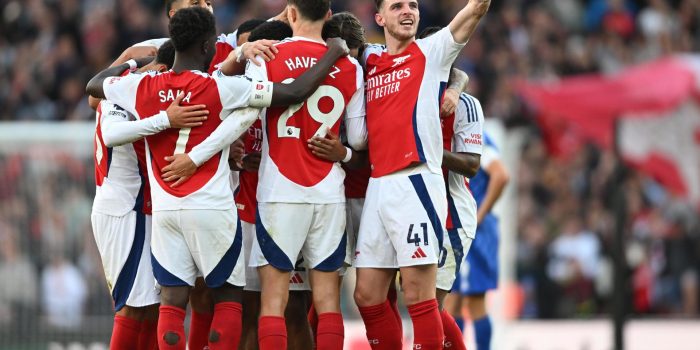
x: 95, y: 85
x: 303, y: 87
x: 356, y: 131
x: 499, y: 178
x: 458, y: 80
x: 225, y: 134
x: 120, y: 132
x: 466, y: 164
x: 359, y: 159
x: 465, y: 22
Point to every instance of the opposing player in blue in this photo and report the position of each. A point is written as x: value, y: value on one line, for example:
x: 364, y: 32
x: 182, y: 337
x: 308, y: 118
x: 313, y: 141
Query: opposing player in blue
x: 479, y: 273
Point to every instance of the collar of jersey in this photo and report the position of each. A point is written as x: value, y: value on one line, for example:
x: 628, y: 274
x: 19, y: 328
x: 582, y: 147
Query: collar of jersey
x: 303, y: 38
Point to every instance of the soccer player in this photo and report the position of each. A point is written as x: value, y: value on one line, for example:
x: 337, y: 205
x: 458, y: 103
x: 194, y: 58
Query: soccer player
x: 121, y: 212
x: 301, y: 204
x: 194, y: 226
x: 405, y: 208
x: 480, y: 271
x: 295, y: 314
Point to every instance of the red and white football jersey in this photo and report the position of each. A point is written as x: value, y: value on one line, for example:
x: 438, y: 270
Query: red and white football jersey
x: 403, y: 102
x: 120, y: 172
x: 245, y: 197
x: 147, y: 94
x: 462, y: 132
x: 289, y: 172
x: 225, y: 44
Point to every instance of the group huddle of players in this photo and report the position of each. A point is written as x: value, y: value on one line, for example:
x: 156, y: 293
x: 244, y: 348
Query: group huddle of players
x: 244, y: 174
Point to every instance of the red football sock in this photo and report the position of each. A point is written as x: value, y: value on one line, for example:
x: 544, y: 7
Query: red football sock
x: 200, y: 323
x: 148, y: 337
x: 313, y: 320
x: 331, y: 332
x: 380, y: 323
x: 171, y: 328
x: 272, y: 333
x: 125, y: 333
x: 453, y: 336
x: 226, y: 326
x: 427, y: 325
x: 393, y: 302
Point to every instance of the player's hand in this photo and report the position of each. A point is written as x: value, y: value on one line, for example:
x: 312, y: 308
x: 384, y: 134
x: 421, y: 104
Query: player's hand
x: 135, y: 52
x: 180, y: 169
x: 449, y: 102
x: 235, y: 156
x: 338, y: 46
x: 251, y: 161
x: 479, y: 7
x: 328, y: 147
x: 263, y: 48
x: 186, y: 116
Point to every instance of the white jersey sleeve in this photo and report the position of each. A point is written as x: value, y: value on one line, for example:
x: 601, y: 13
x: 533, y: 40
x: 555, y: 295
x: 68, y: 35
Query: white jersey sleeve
x: 372, y: 49
x: 355, y: 121
x: 157, y: 43
x: 119, y: 129
x: 441, y: 49
x: 122, y: 91
x: 225, y: 134
x: 240, y: 91
x: 469, y: 126
x: 229, y: 39
x: 489, y: 155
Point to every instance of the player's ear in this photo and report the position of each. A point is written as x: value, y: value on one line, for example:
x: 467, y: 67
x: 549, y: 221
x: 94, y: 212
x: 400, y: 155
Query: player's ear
x: 292, y: 14
x: 379, y: 19
x: 161, y: 67
x: 329, y: 14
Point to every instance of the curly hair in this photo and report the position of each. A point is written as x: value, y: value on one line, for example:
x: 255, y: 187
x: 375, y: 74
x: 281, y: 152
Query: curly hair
x: 313, y: 10
x: 166, y: 54
x: 273, y: 30
x: 346, y: 26
x: 191, y: 26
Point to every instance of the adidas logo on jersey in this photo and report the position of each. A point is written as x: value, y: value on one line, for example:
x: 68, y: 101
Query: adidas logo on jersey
x: 419, y: 254
x: 296, y: 279
x: 400, y: 60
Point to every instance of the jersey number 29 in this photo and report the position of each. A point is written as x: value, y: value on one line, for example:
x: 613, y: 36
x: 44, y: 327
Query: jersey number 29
x: 327, y: 120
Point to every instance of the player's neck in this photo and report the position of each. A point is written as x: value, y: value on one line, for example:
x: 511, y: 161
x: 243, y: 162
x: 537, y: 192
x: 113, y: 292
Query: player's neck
x: 187, y: 62
x: 309, y: 30
x: 396, y: 46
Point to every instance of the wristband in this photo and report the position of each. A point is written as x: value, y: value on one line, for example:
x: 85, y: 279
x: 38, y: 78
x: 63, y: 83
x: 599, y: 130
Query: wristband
x: 239, y: 52
x: 132, y: 65
x: 348, y: 155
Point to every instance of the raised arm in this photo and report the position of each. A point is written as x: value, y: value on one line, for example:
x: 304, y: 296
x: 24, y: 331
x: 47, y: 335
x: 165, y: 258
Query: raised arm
x: 303, y: 87
x: 465, y: 22
x: 455, y: 86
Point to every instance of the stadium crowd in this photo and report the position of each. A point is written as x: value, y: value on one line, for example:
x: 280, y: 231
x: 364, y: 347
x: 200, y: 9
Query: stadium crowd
x: 49, y: 48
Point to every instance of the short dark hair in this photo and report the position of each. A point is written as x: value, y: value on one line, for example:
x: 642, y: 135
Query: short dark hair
x: 428, y: 32
x: 378, y: 3
x: 313, y: 10
x: 272, y: 30
x: 346, y: 26
x: 166, y: 54
x: 191, y: 26
x: 248, y: 27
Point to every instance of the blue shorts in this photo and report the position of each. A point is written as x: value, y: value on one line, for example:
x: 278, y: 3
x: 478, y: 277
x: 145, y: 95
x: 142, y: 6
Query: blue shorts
x: 479, y: 273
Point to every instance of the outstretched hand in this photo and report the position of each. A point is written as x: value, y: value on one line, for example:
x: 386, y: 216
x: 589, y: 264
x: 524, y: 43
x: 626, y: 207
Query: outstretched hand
x: 186, y: 116
x: 263, y: 48
x: 180, y: 169
x: 449, y: 102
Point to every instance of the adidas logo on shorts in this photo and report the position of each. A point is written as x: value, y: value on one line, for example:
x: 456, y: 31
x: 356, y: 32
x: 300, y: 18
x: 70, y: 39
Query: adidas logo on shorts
x: 419, y: 254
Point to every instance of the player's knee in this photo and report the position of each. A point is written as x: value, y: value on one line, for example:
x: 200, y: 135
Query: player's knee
x: 134, y: 313
x: 367, y: 296
x: 415, y: 292
x: 175, y: 296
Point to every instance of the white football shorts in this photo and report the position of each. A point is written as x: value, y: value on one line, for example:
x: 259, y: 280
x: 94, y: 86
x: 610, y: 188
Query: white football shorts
x: 456, y: 246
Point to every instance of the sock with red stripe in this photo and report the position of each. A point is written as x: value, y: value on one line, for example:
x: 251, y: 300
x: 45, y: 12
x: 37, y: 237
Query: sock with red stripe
x: 393, y: 297
x: 200, y: 324
x: 148, y: 336
x: 427, y: 325
x: 171, y: 328
x: 383, y: 332
x: 313, y: 320
x: 453, y: 335
x: 331, y: 332
x: 125, y: 333
x: 226, y: 326
x: 272, y: 333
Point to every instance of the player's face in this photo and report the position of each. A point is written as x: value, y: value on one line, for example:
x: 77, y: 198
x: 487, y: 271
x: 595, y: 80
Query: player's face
x: 191, y: 3
x: 399, y: 18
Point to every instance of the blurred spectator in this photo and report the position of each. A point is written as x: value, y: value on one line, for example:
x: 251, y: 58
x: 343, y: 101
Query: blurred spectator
x: 18, y: 292
x: 63, y: 292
